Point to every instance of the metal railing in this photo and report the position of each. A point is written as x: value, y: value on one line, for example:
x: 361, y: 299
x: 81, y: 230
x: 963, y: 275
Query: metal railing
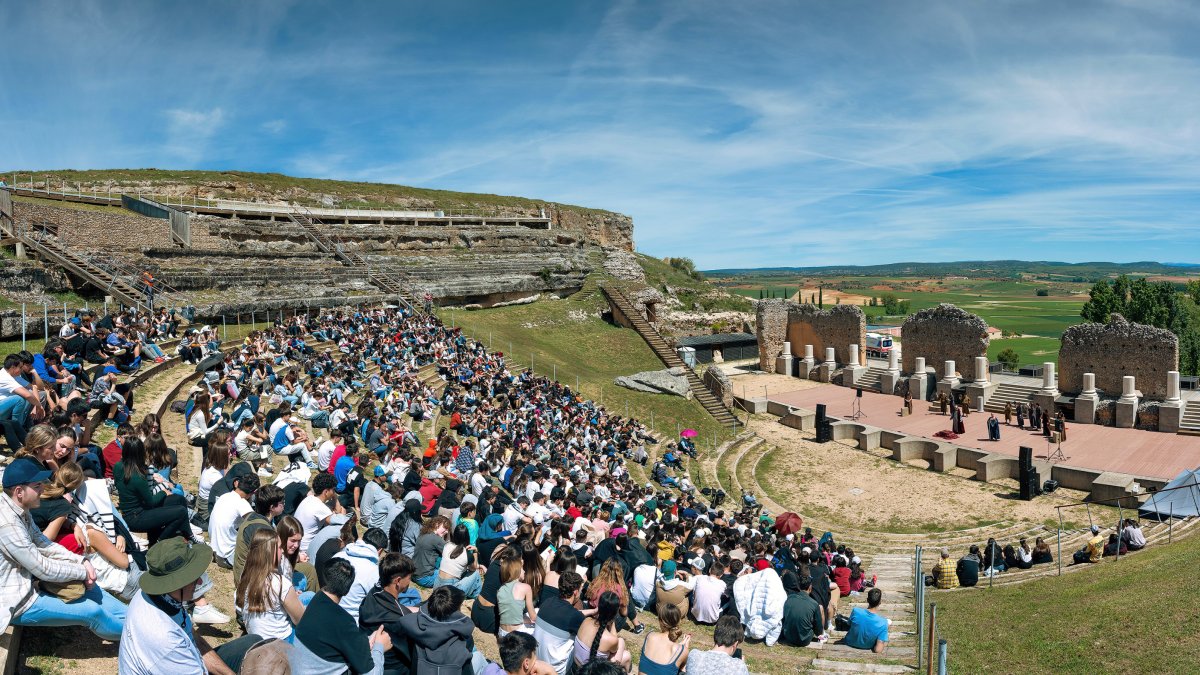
x: 927, y: 633
x: 1193, y: 490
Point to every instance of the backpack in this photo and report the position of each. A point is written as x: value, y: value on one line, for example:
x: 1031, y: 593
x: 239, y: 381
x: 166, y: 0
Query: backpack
x: 179, y: 407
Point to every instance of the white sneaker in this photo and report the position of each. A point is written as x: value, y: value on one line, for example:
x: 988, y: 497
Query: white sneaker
x: 196, y: 532
x: 208, y: 614
x: 265, y: 472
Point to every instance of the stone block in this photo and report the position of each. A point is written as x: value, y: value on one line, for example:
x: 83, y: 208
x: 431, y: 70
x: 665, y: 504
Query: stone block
x: 778, y: 409
x: 805, y: 370
x: 802, y: 419
x: 979, y: 393
x: 1115, y: 350
x: 944, y: 458
x: 868, y: 439
x: 994, y: 466
x: 947, y: 388
x: 850, y: 374
x: 1046, y: 401
x: 1169, y: 417
x: 752, y: 405
x: 1126, y: 414
x: 888, y: 382
x: 918, y: 384
x: 1085, y: 409
x: 1111, y: 485
x: 825, y: 372
x: 783, y: 365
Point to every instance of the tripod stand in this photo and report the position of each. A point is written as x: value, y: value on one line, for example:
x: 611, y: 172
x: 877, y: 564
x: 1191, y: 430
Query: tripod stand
x: 856, y: 410
x: 1057, y: 454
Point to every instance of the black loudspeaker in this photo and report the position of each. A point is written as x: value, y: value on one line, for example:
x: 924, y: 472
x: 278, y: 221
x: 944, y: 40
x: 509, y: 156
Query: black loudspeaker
x: 1026, y: 458
x: 859, y: 394
x: 1030, y: 486
x: 824, y: 431
x: 1049, y: 486
x: 820, y: 413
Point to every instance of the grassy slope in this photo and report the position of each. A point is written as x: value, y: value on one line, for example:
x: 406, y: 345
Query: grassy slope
x: 1132, y: 616
x: 660, y: 274
x: 365, y: 194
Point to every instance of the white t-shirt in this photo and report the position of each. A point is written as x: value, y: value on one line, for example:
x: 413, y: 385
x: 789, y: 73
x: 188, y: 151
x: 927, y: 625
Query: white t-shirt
x: 8, y: 384
x: 151, y: 643
x: 274, y: 623
x: 223, y: 523
x: 208, y: 478
x: 706, y: 605
x: 324, y: 454
x: 644, y: 577
x: 311, y: 513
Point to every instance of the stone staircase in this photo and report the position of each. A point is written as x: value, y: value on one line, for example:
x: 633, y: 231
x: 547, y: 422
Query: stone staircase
x: 1007, y: 392
x: 668, y: 356
x: 1191, y: 417
x: 869, y: 380
x: 125, y: 291
x: 390, y: 283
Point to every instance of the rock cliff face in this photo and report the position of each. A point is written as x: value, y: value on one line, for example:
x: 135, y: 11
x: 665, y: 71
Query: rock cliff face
x: 611, y: 230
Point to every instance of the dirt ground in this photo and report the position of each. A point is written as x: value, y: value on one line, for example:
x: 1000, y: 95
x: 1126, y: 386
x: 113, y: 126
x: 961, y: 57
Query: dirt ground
x: 868, y: 490
x: 758, y: 385
x: 831, y: 296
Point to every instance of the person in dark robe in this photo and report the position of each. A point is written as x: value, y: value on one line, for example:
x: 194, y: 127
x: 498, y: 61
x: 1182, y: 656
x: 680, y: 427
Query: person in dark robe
x: 993, y: 426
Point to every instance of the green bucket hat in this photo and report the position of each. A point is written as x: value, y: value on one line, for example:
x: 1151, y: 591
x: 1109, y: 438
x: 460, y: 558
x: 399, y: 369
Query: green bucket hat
x: 172, y: 564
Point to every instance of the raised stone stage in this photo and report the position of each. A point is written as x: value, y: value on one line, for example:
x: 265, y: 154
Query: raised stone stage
x: 1129, y: 451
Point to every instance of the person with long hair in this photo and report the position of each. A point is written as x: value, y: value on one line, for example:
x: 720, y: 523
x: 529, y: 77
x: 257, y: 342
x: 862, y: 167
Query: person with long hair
x: 216, y: 462
x: 269, y: 603
x: 39, y: 446
x: 201, y: 423
x: 405, y: 529
x: 290, y: 533
x: 158, y: 514
x: 611, y: 579
x: 514, y: 598
x: 663, y: 652
x: 148, y: 426
x: 484, y: 612
x: 460, y: 564
x: 535, y: 568
x: 66, y: 449
x: 597, y: 637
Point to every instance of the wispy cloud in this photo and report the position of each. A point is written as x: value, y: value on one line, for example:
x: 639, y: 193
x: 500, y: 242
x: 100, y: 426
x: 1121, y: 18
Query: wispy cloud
x: 190, y: 131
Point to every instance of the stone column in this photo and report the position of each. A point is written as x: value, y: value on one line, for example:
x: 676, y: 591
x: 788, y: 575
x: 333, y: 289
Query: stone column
x: 854, y: 369
x: 806, y: 365
x: 783, y: 363
x: 1049, y: 384
x: 1170, y: 411
x: 919, y: 364
x: 1128, y: 403
x: 894, y: 360
x: 948, y: 372
x: 830, y: 356
x: 918, y: 380
x: 1087, y: 401
x: 981, y: 369
x: 825, y: 370
x: 889, y: 379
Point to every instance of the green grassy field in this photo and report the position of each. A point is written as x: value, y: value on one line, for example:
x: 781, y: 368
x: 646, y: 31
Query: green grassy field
x: 1131, y: 616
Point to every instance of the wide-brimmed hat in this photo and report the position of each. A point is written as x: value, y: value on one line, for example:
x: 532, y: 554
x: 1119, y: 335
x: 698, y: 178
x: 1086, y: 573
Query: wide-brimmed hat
x: 172, y: 564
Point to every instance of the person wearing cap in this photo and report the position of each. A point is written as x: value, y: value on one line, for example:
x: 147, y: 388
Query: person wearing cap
x: 943, y: 572
x: 158, y: 636
x: 1093, y: 550
x: 375, y: 502
x: 104, y: 394
x: 26, y: 554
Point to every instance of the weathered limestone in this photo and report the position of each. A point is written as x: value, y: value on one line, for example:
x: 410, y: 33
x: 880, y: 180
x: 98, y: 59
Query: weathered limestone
x: 981, y: 369
x: 783, y: 364
x: 918, y: 380
x: 717, y: 382
x: 853, y: 370
x: 825, y: 370
x: 889, y: 380
x: 1116, y: 349
x: 1049, y: 383
x: 669, y: 381
x: 806, y: 365
x: 944, y: 333
x: 780, y: 320
x: 1087, y: 401
x: 950, y: 379
x: 1170, y: 411
x: 1127, y: 405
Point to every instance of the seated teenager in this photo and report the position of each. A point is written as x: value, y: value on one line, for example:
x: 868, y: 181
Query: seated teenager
x: 327, y: 640
x: 721, y: 659
x: 869, y: 628
x: 441, y: 635
x: 26, y: 554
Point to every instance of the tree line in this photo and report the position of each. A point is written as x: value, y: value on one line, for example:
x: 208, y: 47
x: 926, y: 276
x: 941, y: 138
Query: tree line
x: 1161, y: 304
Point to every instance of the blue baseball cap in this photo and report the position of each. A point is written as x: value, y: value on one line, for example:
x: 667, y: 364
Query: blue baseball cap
x: 111, y: 370
x: 75, y: 320
x: 379, y: 471
x: 24, y: 471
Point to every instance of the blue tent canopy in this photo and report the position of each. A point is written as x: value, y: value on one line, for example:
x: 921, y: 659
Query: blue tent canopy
x: 1175, y: 503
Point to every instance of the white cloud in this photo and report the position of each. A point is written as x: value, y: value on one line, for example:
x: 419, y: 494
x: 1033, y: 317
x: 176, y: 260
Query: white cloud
x: 189, y: 132
x: 275, y: 126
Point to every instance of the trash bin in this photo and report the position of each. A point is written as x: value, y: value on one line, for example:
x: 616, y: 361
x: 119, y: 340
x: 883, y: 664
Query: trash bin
x: 688, y: 354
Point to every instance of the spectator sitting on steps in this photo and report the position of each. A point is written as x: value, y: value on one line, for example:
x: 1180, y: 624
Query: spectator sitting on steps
x: 869, y: 628
x: 968, y: 568
x: 1132, y: 537
x: 944, y: 575
x: 1093, y: 550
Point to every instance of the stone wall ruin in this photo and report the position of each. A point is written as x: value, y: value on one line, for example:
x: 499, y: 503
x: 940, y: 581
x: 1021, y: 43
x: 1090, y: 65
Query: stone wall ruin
x: 943, y: 333
x: 803, y: 324
x: 1114, y: 350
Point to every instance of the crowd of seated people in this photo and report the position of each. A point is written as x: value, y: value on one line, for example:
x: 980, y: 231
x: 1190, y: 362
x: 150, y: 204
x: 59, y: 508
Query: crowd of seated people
x: 359, y: 552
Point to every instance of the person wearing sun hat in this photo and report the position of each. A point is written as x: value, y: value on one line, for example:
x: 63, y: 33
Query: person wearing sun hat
x: 26, y: 554
x: 158, y: 636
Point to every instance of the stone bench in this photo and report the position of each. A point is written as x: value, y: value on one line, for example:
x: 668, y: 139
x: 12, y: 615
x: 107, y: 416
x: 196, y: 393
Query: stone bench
x: 801, y: 419
x: 994, y: 466
x: 752, y: 405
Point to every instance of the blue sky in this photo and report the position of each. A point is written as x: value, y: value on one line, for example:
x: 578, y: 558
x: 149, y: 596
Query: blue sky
x: 741, y: 134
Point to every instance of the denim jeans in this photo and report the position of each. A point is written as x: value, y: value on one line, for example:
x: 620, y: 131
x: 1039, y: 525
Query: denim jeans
x: 14, y: 412
x: 320, y: 420
x: 103, y: 614
x: 427, y: 582
x: 470, y: 585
